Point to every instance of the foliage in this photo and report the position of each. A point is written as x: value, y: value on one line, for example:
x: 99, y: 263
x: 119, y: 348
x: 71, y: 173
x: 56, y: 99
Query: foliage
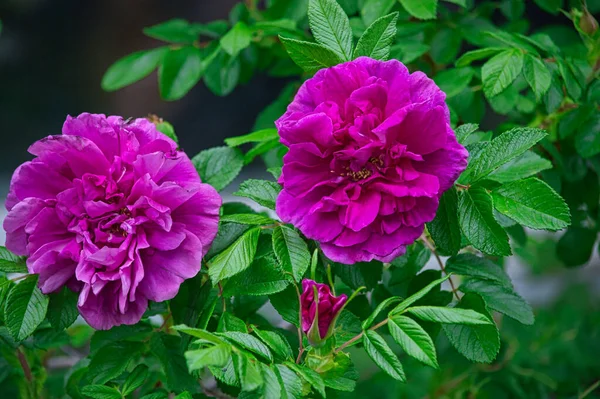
x: 537, y: 169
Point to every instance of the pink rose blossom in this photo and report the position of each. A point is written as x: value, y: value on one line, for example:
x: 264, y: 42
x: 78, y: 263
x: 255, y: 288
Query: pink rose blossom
x: 326, y: 313
x: 114, y: 211
x: 371, y: 151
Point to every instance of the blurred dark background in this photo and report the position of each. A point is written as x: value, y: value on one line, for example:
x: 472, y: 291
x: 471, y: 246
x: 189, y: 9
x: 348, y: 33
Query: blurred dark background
x: 53, y: 54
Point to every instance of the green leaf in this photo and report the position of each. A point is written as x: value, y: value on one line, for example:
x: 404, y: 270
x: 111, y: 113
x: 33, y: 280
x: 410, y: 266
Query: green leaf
x: 222, y: 73
x: 422, y: 9
x: 180, y: 70
x: 291, y: 384
x: 62, y: 309
x: 251, y: 219
x: 167, y: 129
x: 501, y: 150
x: 279, y: 345
x: 174, y: 31
x: 236, y: 258
x: 532, y: 203
x: 216, y: 355
x: 552, y: 6
x: 417, y: 295
x: 567, y: 71
x: 311, y: 376
x: 471, y: 265
x: 537, y: 75
x: 384, y: 304
x: 413, y: 339
x: 135, y: 379
x: 478, y: 343
x: 464, y: 131
x: 571, y: 121
x: 168, y: 349
x: 373, y: 9
x: 229, y: 322
x: 438, y: 314
x: 376, y: 41
x: 291, y: 251
x: 360, y: 274
x: 379, y: 351
x: 263, y: 277
x: 524, y: 166
x: 587, y: 140
x: 477, y: 222
x: 199, y: 333
x: 454, y: 81
x: 287, y: 304
x: 132, y: 68
x: 501, y: 299
x: 263, y: 192
x: 101, y: 392
x: 247, y: 372
x: 237, y: 39
x: 254, y: 137
x: 331, y: 27
x: 575, y: 247
x: 249, y: 342
x: 11, y: 263
x: 25, y: 308
x: 112, y: 360
x: 445, y: 46
x: 475, y: 55
x: 444, y: 229
x: 218, y: 166
x: 462, y: 3
x: 310, y: 56
x: 501, y: 71
x: 408, y: 52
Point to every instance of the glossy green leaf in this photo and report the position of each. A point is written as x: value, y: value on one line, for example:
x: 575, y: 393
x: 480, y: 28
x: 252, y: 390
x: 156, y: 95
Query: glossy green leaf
x: 291, y: 251
x: 112, y: 360
x: 384, y: 304
x: 279, y: 345
x: 310, y: 56
x: 417, y: 295
x: 218, y: 166
x: 422, y: 9
x: 236, y: 258
x: 174, y: 31
x: 438, y: 314
x: 132, y: 67
x: 374, y: 9
x: 254, y: 137
x: 25, y: 308
x: 180, y: 70
x: 475, y: 55
x: 587, y: 140
x: 263, y: 192
x: 62, y: 309
x: 471, y: 265
x: 454, y: 81
x: 413, y: 339
x: 135, y: 379
x: 331, y: 27
x: 311, y: 376
x: 500, y: 71
x: 237, y: 39
x: 379, y: 351
x: 376, y: 41
x: 522, y: 167
x: 11, y: 263
x: 263, y: 277
x: 101, y: 392
x: 216, y: 355
x: 537, y: 75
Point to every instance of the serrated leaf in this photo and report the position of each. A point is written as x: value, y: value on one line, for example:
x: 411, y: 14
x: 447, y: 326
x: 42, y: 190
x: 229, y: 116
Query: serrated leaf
x: 521, y: 167
x: 25, y: 308
x: 291, y: 251
x: 477, y: 222
x: 360, y: 274
x: 376, y: 41
x: 112, y: 360
x: 251, y: 219
x: 417, y: 295
x: 62, y: 309
x: 11, y: 263
x: 247, y: 372
x: 263, y: 192
x: 475, y: 55
x: 454, y: 81
x: 248, y: 342
x: 587, y: 140
x: 384, y: 304
x: 132, y: 67
x: 537, y: 75
x: 291, y: 385
x: 199, y: 333
x: 263, y: 277
x: 501, y: 150
x: 413, y: 339
x: 218, y: 166
x: 276, y: 342
x: 179, y: 71
x: 237, y: 39
x: 331, y: 27
x: 422, y: 9
x: 500, y: 299
x: 500, y: 71
x: 471, y: 265
x: 379, y: 351
x: 169, y: 351
x: 135, y: 379
x: 254, y: 137
x: 287, y: 304
x: 408, y: 52
x: 229, y: 322
x: 236, y: 258
x: 222, y: 72
x: 444, y: 228
x: 309, y: 56
x: 216, y: 355
x: 532, y: 203
x: 101, y: 392
x: 438, y: 314
x: 478, y: 343
x: 311, y: 376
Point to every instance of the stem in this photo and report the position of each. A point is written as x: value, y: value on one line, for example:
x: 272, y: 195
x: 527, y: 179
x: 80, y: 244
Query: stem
x: 357, y: 337
x: 26, y: 371
x: 330, y: 278
x: 589, y: 390
x: 222, y: 298
x: 441, y: 263
x: 19, y: 277
x: 300, y: 343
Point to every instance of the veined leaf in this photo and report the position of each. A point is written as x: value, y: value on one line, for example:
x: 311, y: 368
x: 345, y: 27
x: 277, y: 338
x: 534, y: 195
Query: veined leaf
x: 331, y: 27
x: 11, y: 263
x: 439, y: 314
x: 263, y: 277
x: 379, y: 351
x: 475, y: 55
x: 311, y: 376
x: 219, y: 166
x: 251, y: 219
x: 236, y: 258
x: 62, y: 309
x: 180, y: 70
x: 237, y: 39
x: 310, y: 56
x: 384, y: 304
x: 25, y: 308
x: 216, y: 355
x: 291, y: 251
x: 279, y: 345
x: 537, y: 75
x: 254, y: 137
x: 263, y: 192
x: 135, y: 379
x: 471, y: 265
x: 373, y: 9
x: 417, y: 295
x: 376, y: 41
x: 422, y: 9
x: 112, y: 360
x: 444, y: 229
x: 413, y: 339
x: 500, y: 71
x: 132, y: 67
x: 519, y: 168
x: 101, y: 392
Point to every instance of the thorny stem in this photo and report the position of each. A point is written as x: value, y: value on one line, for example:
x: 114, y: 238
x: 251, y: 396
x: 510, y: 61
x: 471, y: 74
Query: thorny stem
x: 300, y: 344
x: 357, y: 337
x: 441, y: 263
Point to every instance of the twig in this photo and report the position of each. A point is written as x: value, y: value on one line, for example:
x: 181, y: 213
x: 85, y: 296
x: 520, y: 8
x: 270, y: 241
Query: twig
x: 591, y: 389
x: 441, y: 263
x: 222, y: 297
x: 300, y: 342
x: 26, y: 371
x: 357, y: 337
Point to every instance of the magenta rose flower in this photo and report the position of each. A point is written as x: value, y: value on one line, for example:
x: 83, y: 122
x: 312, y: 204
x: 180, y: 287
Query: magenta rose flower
x: 319, y: 316
x: 114, y: 211
x: 371, y: 151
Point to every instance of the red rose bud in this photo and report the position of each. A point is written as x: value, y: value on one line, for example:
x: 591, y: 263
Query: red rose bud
x: 319, y: 314
x: 588, y: 23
